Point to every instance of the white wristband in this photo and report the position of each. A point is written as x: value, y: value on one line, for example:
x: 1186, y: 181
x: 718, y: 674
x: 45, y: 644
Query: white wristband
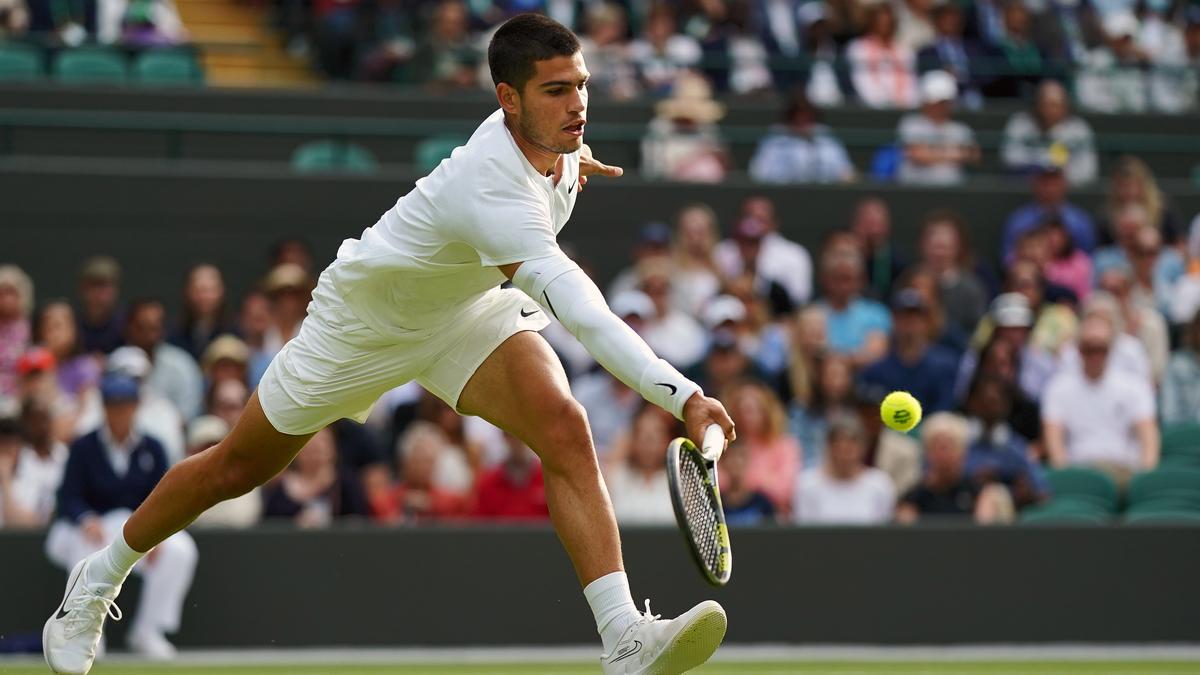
x: 666, y: 387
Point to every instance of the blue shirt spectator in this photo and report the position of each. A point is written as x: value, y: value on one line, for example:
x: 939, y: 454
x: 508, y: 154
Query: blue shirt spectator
x: 913, y: 363
x: 801, y: 150
x: 1050, y: 200
x: 849, y: 328
x: 996, y: 452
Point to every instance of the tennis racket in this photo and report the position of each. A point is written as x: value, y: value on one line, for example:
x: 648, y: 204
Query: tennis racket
x: 692, y: 474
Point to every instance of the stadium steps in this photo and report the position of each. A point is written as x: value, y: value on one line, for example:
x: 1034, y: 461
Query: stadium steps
x: 239, y: 49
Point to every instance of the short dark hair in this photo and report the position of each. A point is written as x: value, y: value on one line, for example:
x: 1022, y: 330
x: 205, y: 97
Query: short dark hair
x: 524, y: 40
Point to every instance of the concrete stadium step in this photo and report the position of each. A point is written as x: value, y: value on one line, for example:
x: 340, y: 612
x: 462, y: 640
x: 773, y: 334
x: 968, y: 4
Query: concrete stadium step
x: 240, y: 49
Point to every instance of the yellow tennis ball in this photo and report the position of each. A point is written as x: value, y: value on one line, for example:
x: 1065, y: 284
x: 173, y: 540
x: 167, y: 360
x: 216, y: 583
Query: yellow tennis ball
x: 900, y: 411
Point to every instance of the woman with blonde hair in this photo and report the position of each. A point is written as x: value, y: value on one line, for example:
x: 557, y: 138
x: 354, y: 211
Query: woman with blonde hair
x: 697, y: 279
x: 774, y: 455
x: 1133, y: 183
x: 16, y: 305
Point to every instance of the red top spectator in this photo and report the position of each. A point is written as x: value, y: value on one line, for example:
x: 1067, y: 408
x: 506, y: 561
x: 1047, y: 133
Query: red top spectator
x: 514, y: 489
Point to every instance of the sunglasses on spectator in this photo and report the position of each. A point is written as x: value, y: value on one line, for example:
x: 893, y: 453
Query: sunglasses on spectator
x: 1093, y: 349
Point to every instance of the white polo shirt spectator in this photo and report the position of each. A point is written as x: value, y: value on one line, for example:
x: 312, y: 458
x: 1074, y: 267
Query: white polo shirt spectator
x: 843, y: 490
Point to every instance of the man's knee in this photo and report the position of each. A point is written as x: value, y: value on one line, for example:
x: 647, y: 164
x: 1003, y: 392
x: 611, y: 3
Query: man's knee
x: 565, y: 438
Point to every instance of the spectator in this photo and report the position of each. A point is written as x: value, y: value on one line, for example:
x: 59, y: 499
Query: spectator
x: 1165, y: 265
x: 997, y: 452
x: 896, y: 454
x: 775, y: 260
x: 1065, y: 265
x: 289, y: 288
x: 225, y: 358
x: 240, y: 512
x: 1037, y: 337
x: 1181, y: 385
x: 1132, y: 183
x: 661, y: 54
x: 38, y: 372
x: 1034, y: 139
x: 951, y: 53
x: 254, y: 322
x: 39, y: 468
x: 745, y: 317
x: 173, y: 372
x: 101, y: 318
x: 10, y: 454
x: 1100, y: 415
x: 871, y: 224
x: 418, y: 497
x: 801, y: 150
x: 1049, y: 202
x: 447, y: 57
x: 672, y: 334
x: 935, y: 146
x: 513, y: 490
x: 857, y: 326
x: 843, y: 490
x: 725, y: 363
x: 637, y: 480
x: 144, y: 24
x: 946, y: 253
x: 654, y: 241
x: 156, y: 416
x: 1175, y: 80
x: 1114, y: 78
x: 1141, y: 321
x: 226, y: 400
x: 774, y: 454
x: 1001, y: 359
x: 832, y: 393
x: 14, y: 19
x: 881, y: 67
x: 914, y: 24
x: 944, y: 490
x: 1128, y: 354
x: 1015, y: 62
x: 108, y: 474
x: 56, y: 330
x: 16, y: 304
x: 913, y: 363
x: 693, y: 251
x: 204, y: 315
x: 808, y: 341
x: 742, y: 505
x: 606, y: 52
x: 1150, y: 287
x: 943, y: 333
x: 823, y: 83
x: 315, y: 490
x: 461, y: 456
x: 682, y: 142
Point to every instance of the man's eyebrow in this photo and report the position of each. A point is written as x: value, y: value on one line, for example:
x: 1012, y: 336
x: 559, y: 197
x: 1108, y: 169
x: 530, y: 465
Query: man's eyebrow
x: 564, y: 83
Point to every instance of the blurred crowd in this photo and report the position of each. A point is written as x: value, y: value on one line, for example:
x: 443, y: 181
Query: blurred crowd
x: 131, y: 24
x: 1127, y: 55
x: 1070, y: 345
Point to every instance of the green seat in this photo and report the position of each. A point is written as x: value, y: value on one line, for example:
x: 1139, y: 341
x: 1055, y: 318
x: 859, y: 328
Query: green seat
x: 431, y: 151
x: 1043, y: 516
x: 1162, y: 516
x: 168, y: 67
x: 1080, y: 483
x: 333, y: 156
x: 1181, y: 443
x: 20, y: 63
x: 1175, y: 483
x: 91, y: 65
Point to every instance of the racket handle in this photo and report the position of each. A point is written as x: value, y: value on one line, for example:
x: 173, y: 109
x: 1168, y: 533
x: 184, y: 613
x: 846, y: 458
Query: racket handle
x: 714, y: 443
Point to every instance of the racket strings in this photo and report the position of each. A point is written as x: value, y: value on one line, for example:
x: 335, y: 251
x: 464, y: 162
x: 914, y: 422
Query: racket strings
x: 701, y: 511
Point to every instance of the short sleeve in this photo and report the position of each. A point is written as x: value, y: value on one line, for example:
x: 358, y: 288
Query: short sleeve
x: 879, y: 319
x: 1052, y: 402
x: 507, y: 226
x: 1141, y: 401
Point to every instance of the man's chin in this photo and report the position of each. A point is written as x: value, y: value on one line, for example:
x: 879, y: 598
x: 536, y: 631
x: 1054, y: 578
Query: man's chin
x: 567, y: 147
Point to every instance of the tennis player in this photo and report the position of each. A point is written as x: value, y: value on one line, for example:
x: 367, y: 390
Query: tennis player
x: 418, y: 297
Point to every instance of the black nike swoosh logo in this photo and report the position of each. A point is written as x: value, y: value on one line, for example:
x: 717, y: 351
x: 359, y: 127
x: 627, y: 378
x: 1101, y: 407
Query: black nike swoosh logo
x: 524, y: 313
x: 637, y: 647
x: 62, y: 610
x: 572, y: 188
x: 672, y: 387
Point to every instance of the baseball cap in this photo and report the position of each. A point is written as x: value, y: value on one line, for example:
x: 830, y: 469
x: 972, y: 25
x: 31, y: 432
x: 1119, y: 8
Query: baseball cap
x: 225, y: 348
x: 938, y: 86
x: 117, y: 388
x: 751, y: 228
x: 36, y: 360
x: 129, y: 361
x: 287, y: 276
x: 1011, y: 310
x: 632, y: 303
x: 101, y: 269
x: 722, y: 341
x: 909, y: 300
x: 206, y: 430
x: 811, y: 12
x: 658, y: 234
x: 1121, y: 25
x: 721, y: 309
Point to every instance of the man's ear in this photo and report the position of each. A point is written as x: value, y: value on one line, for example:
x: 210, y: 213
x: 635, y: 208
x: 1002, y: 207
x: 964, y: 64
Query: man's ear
x: 508, y: 97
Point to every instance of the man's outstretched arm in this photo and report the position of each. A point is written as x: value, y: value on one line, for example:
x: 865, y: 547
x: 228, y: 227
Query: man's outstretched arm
x: 558, y: 284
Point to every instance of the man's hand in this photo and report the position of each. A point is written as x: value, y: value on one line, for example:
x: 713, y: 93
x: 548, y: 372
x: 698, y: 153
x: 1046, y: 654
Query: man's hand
x: 588, y: 166
x: 701, y: 411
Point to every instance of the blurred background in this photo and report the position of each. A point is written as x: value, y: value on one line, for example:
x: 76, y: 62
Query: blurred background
x: 993, y: 205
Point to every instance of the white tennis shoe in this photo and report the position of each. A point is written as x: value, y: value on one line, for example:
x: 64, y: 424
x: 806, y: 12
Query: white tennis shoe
x: 652, y: 646
x: 72, y: 633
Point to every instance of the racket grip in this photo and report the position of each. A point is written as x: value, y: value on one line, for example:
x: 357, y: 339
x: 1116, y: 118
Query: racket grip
x: 714, y: 443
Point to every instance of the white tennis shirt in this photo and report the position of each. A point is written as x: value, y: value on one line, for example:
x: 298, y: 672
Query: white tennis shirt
x: 437, y: 249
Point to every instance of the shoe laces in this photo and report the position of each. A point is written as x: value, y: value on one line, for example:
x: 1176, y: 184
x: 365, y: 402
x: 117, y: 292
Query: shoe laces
x: 88, y: 609
x: 648, y: 617
x: 643, y: 619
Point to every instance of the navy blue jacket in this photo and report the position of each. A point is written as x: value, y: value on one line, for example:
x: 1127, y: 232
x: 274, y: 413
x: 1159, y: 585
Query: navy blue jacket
x: 91, y: 485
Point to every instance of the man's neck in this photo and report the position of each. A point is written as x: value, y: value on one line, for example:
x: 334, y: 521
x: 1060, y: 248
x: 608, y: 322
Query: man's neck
x: 543, y: 160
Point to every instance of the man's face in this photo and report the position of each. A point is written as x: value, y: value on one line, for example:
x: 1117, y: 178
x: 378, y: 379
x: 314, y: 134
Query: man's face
x: 146, y: 327
x: 98, y: 297
x: 553, y: 104
x: 912, y: 327
x: 119, y: 415
x: 1050, y: 187
x: 35, y: 423
x: 1094, y: 351
x: 10, y: 302
x: 948, y: 22
x: 1052, y: 104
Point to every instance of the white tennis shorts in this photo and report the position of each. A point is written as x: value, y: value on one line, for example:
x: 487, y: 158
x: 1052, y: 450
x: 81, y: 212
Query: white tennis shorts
x: 338, y: 367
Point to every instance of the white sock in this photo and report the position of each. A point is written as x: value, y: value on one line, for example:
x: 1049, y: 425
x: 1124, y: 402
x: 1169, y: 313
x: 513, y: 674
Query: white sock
x: 113, y: 564
x: 612, y: 605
